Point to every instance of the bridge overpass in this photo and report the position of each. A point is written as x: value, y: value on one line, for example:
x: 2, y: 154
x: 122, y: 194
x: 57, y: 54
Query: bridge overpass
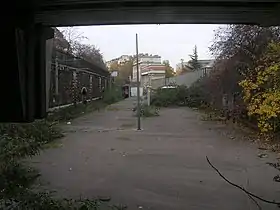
x: 27, y: 26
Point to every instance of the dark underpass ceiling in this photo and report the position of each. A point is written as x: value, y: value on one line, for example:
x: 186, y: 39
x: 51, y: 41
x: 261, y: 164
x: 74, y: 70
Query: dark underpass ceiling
x: 90, y: 12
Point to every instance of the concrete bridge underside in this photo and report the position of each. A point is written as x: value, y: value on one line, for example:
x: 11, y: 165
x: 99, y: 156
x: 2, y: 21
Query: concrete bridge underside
x: 27, y: 27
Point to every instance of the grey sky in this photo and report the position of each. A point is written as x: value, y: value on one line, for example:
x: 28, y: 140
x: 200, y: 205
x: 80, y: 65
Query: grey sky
x: 172, y: 42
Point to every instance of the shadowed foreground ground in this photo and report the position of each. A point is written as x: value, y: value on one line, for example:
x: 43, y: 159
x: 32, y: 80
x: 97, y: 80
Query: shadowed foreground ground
x: 162, y: 167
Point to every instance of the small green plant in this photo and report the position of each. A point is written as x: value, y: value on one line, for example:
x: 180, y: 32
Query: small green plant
x: 45, y: 201
x: 147, y: 111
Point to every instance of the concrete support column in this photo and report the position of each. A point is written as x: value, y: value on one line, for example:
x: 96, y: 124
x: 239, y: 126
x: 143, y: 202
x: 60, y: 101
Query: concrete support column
x: 49, y: 51
x: 37, y: 69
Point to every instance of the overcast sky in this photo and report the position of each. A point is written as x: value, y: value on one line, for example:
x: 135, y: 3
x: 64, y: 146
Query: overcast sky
x: 172, y: 42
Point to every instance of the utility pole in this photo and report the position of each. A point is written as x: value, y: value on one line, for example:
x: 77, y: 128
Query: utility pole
x: 149, y: 89
x: 138, y: 87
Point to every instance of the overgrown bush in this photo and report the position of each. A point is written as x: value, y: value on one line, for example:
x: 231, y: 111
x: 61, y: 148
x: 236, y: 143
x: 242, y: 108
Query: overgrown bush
x: 17, y: 137
x: 262, y: 90
x: 18, y: 141
x: 196, y: 96
x: 16, y: 179
x: 45, y: 201
x: 163, y: 97
x: 169, y: 97
x: 147, y: 111
x: 74, y: 111
x: 112, y: 95
x: 179, y: 96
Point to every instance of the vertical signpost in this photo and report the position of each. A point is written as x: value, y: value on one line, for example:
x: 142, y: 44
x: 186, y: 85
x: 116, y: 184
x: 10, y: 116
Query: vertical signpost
x: 138, y: 87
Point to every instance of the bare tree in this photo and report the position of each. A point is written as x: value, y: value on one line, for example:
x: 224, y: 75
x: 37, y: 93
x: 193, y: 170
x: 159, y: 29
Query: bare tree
x: 69, y: 40
x: 59, y: 40
x: 237, y: 49
x: 73, y: 36
x: 244, y: 43
x: 89, y: 53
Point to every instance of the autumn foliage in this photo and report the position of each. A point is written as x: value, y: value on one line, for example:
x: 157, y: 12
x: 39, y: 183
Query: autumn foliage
x: 247, y: 72
x: 262, y: 90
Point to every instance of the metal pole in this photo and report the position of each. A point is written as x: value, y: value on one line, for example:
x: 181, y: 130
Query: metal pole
x: 138, y: 88
x: 149, y: 93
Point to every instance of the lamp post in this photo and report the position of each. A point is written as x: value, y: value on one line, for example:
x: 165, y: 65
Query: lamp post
x: 138, y: 87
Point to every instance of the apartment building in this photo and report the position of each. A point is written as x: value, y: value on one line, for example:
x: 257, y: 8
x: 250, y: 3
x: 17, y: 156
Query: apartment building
x: 120, y: 60
x: 150, y: 67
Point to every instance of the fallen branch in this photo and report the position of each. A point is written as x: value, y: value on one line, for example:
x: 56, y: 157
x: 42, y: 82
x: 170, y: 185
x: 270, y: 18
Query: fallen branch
x: 241, y: 188
x: 257, y: 204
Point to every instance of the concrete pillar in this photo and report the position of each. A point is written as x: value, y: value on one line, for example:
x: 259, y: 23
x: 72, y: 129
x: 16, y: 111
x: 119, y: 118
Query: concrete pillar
x: 49, y: 51
x: 23, y: 83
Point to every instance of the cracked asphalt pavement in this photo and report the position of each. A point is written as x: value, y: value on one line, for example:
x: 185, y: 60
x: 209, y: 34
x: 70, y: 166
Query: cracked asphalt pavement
x: 161, y: 167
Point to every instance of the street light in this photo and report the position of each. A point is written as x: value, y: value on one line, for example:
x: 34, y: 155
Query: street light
x: 138, y: 87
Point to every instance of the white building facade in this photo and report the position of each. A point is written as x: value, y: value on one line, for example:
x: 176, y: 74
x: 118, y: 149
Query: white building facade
x: 145, y: 62
x: 120, y: 60
x: 151, y: 72
x: 123, y: 59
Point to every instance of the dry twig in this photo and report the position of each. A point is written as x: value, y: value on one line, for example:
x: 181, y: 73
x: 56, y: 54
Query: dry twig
x: 251, y: 195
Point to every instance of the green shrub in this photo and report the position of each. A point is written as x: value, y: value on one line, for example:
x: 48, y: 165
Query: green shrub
x: 45, y: 201
x: 179, y: 96
x: 112, y: 95
x: 195, y: 96
x: 74, y: 111
x: 18, y: 141
x: 147, y: 111
x: 182, y: 95
x: 164, y: 97
x: 15, y: 135
x: 15, y: 148
x: 170, y: 97
x: 15, y: 179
